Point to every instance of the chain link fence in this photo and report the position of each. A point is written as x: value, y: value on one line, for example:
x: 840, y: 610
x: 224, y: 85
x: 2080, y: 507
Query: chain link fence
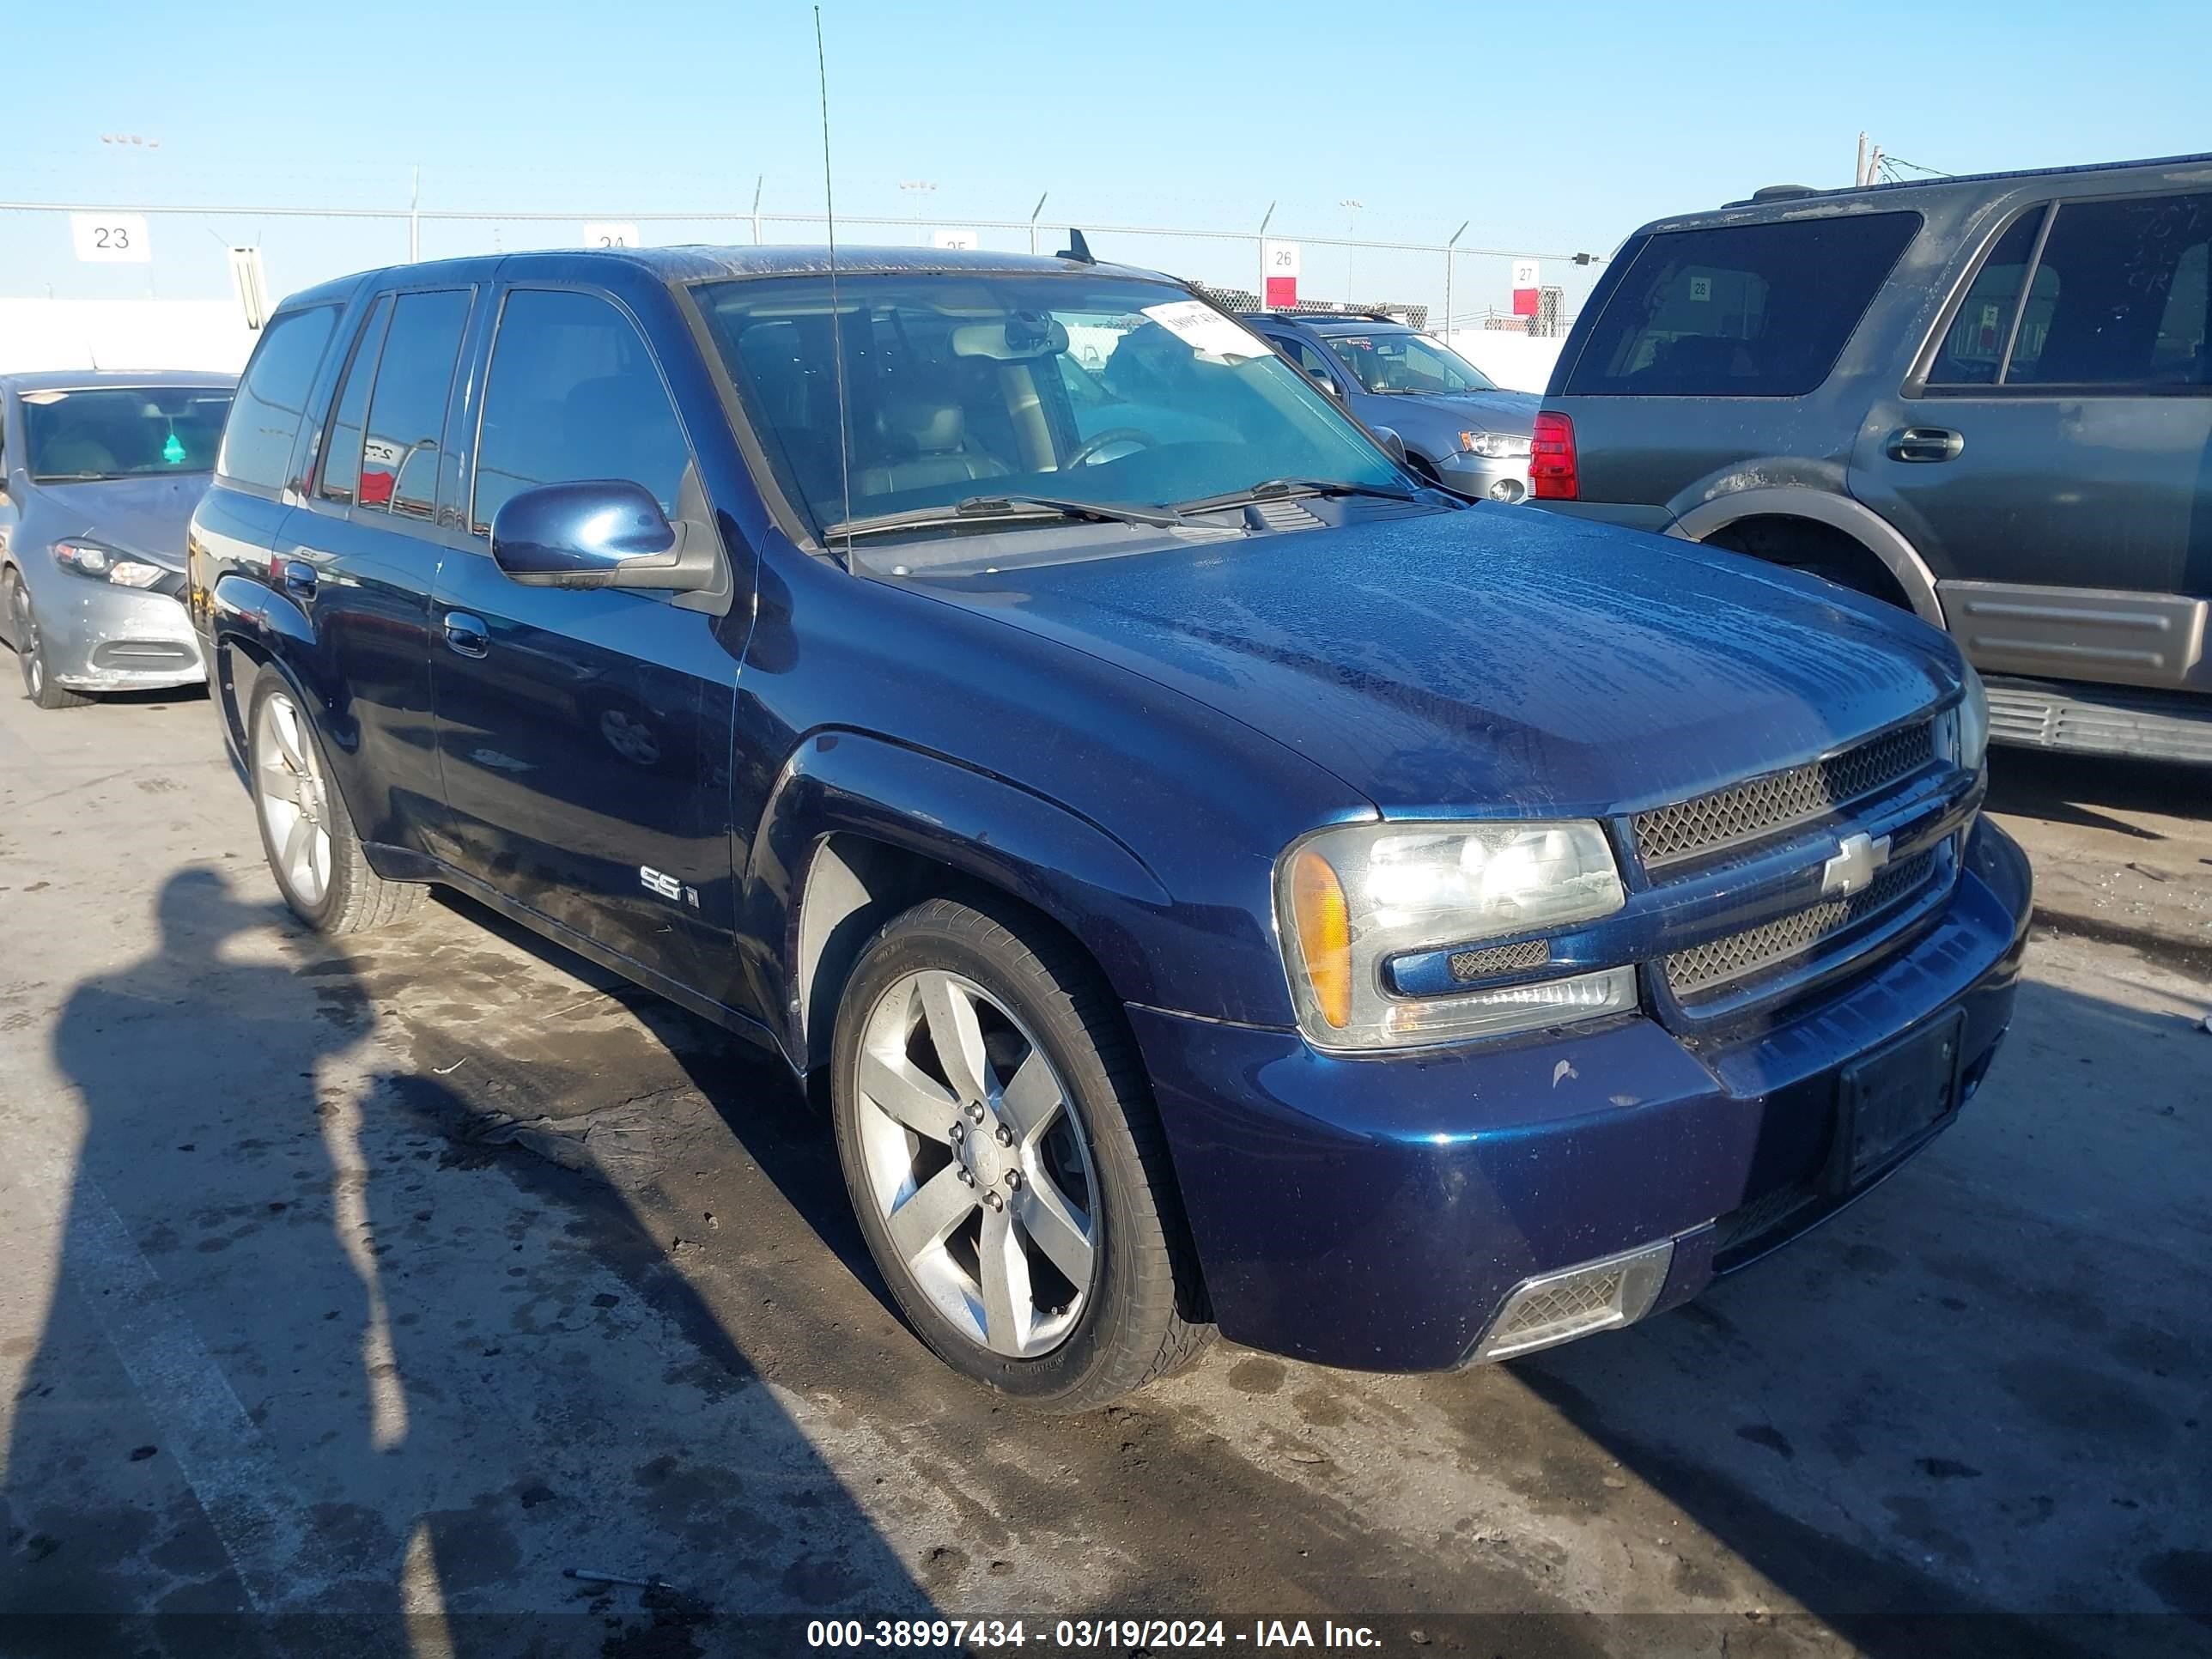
x: 68, y: 251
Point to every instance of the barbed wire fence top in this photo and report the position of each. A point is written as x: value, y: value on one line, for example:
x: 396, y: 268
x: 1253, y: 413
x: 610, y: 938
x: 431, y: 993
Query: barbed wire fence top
x: 185, y: 254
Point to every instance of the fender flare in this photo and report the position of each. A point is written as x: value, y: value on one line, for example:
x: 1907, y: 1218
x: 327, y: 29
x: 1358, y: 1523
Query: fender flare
x: 1860, y: 523
x: 974, y: 823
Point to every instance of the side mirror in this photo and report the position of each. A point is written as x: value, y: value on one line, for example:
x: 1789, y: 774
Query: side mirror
x: 594, y: 532
x: 1323, y: 382
x: 1393, y: 445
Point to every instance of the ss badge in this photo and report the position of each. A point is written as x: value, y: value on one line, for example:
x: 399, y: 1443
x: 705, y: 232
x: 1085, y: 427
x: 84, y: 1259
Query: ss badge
x: 656, y: 881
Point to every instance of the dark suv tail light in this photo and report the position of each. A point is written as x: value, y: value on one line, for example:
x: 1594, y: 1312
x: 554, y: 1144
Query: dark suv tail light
x: 1552, y: 475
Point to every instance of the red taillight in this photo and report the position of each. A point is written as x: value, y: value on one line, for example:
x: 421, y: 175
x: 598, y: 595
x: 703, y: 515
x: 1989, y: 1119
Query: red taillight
x: 1552, y: 475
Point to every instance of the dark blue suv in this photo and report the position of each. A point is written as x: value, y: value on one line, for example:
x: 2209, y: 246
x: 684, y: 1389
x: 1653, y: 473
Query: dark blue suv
x: 1222, y: 882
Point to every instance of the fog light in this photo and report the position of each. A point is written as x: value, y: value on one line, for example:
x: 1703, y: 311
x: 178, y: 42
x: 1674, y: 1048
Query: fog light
x: 1507, y: 490
x: 1558, y: 1307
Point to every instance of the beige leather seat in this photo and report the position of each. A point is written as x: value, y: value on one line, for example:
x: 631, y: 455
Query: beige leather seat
x: 922, y: 445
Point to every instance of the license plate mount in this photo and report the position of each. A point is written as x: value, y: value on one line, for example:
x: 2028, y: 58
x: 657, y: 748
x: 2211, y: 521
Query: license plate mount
x: 1893, y: 1099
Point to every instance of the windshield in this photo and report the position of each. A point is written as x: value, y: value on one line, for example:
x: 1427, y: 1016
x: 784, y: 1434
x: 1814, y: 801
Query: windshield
x: 1102, y: 389
x: 1406, y: 361
x: 119, y: 432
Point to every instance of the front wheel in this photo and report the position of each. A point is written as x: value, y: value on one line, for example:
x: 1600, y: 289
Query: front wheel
x: 306, y: 829
x: 39, y: 684
x: 1002, y: 1152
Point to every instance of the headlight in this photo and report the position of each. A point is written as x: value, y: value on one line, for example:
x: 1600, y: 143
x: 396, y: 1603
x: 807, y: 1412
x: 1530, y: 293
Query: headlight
x: 1974, y: 723
x: 104, y: 563
x: 1496, y: 445
x: 1348, y: 900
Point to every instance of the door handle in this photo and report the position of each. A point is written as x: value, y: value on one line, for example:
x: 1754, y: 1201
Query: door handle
x: 300, y: 579
x: 467, y: 635
x: 1925, y: 443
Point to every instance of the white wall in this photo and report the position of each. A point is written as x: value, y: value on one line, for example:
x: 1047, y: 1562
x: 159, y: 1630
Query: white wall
x: 1515, y: 361
x: 139, y: 334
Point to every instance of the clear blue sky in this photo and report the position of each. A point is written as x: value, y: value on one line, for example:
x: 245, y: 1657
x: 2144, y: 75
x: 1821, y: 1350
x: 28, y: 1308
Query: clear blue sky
x: 1551, y: 127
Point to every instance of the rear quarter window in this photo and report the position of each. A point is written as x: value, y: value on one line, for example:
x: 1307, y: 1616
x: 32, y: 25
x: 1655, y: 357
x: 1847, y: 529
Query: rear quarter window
x: 1739, y: 310
x: 264, y: 417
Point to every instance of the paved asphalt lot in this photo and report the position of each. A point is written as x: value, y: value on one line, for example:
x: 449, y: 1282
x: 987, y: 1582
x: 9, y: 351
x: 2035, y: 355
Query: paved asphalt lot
x: 378, y: 1286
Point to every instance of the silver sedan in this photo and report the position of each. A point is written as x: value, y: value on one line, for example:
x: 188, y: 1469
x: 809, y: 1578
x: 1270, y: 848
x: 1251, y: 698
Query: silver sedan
x: 101, y: 473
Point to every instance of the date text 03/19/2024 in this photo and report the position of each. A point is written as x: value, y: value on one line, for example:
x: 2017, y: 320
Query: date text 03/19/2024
x: 1085, y: 1633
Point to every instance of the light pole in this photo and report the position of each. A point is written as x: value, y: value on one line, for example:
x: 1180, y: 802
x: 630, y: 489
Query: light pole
x: 1449, y: 246
x: 1351, y: 207
x: 918, y: 188
x: 138, y: 143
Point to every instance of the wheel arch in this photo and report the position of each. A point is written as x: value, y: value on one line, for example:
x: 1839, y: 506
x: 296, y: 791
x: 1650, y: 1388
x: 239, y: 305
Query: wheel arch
x: 1872, y: 532
x: 859, y: 828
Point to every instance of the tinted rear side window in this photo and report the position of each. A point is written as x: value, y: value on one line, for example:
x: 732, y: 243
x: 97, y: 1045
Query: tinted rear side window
x: 1973, y: 346
x: 265, y: 417
x: 1742, y: 310
x: 2120, y: 297
x: 342, y: 456
x: 407, y: 412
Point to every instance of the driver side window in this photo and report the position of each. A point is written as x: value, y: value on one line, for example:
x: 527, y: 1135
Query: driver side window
x: 574, y: 392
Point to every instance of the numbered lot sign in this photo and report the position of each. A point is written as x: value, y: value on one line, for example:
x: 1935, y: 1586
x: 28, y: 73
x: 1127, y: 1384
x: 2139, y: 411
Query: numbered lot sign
x: 111, y: 238
x: 953, y: 241
x: 611, y: 236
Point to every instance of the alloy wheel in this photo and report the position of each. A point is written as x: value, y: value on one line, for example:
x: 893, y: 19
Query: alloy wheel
x: 23, y: 624
x: 977, y: 1164
x: 292, y: 799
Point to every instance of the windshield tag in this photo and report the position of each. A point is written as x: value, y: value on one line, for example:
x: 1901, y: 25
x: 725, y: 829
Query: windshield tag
x: 1213, y: 336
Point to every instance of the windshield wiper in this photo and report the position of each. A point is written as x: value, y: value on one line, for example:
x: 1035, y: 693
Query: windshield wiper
x: 1002, y: 510
x: 1275, y: 489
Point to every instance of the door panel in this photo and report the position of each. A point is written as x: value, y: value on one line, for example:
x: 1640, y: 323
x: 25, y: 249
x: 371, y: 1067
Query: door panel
x: 584, y: 734
x: 584, y: 739
x: 361, y: 557
x: 2055, y: 468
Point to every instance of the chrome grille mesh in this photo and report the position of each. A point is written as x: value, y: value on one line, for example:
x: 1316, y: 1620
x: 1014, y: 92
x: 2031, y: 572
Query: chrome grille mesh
x: 1468, y: 965
x: 1720, y: 962
x: 1587, y: 1297
x: 1746, y: 811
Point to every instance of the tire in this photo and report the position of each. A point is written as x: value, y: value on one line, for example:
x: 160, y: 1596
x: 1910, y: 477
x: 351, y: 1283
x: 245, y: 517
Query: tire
x: 326, y: 881
x: 38, y: 683
x: 1076, y: 1152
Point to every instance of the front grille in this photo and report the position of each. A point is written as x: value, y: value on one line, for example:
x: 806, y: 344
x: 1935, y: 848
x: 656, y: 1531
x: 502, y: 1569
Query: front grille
x: 1754, y: 1222
x: 141, y: 654
x: 1470, y: 965
x: 1721, y: 962
x: 1747, y: 812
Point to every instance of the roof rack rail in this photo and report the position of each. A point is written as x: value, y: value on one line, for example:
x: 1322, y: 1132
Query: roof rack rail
x: 1361, y: 315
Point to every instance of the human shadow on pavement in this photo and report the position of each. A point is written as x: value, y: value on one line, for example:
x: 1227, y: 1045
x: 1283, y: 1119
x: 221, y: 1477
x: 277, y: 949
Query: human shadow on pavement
x: 319, y: 1375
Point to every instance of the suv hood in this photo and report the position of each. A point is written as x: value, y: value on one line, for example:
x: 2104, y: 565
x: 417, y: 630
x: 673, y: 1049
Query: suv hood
x: 1492, y: 411
x: 147, y: 516
x: 1496, y: 659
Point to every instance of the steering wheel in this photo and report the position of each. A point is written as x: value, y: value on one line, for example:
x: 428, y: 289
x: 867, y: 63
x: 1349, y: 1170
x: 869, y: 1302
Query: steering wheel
x: 1119, y: 435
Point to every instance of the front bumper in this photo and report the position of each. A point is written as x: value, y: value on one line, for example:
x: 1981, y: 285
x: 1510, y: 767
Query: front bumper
x: 1378, y: 1213
x: 1483, y: 478
x: 108, y: 638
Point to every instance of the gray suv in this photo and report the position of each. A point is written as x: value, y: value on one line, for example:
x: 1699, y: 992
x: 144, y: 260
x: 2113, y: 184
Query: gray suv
x: 1988, y: 399
x: 1460, y: 429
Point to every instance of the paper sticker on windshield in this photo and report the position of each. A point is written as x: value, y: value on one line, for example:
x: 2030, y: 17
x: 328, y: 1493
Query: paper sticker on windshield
x: 1213, y: 336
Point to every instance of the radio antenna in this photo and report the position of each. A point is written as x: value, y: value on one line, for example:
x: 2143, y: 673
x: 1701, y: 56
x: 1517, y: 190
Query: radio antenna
x: 836, y: 318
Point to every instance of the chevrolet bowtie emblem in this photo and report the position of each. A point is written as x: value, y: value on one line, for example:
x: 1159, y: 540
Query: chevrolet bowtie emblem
x: 1852, y: 869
